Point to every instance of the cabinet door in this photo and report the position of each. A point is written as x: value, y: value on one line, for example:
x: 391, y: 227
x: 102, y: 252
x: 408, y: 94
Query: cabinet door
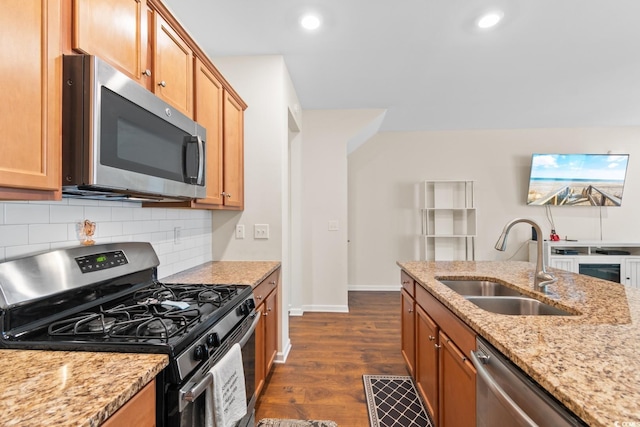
x: 114, y: 30
x: 427, y: 360
x: 564, y: 263
x: 271, y: 329
x: 457, y: 386
x: 209, y: 95
x: 631, y: 276
x: 261, y: 364
x: 31, y: 88
x: 233, y: 153
x: 408, y: 331
x: 173, y: 67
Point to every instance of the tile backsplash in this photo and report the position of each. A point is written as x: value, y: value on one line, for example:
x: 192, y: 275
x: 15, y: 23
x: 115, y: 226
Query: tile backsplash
x: 182, y: 238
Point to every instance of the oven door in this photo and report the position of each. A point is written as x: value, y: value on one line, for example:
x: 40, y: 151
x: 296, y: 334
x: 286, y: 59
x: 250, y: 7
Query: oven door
x: 192, y: 396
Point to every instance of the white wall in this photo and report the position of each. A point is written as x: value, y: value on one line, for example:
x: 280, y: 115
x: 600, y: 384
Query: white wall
x: 383, y: 192
x: 264, y: 84
x: 325, y: 138
x: 31, y: 227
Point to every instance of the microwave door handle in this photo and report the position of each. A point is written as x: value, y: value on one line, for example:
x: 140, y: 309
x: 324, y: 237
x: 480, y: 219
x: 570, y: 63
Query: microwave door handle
x: 200, y: 180
x: 194, y: 174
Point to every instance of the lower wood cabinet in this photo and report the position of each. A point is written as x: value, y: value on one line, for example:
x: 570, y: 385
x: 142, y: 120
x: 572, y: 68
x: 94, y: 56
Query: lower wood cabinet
x: 408, y: 330
x: 444, y: 376
x: 266, y: 297
x: 426, y: 375
x: 139, y: 411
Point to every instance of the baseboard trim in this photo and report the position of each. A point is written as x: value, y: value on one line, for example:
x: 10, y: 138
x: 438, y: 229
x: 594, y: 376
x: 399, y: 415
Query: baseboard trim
x: 326, y: 308
x: 369, y: 288
x: 281, y: 357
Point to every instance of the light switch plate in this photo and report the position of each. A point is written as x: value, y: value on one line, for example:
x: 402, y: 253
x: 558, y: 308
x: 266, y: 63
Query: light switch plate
x: 239, y: 231
x: 261, y: 231
x: 334, y: 225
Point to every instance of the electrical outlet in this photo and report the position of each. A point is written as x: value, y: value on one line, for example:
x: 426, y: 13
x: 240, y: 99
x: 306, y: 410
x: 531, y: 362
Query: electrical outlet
x: 333, y: 225
x: 239, y: 231
x: 261, y: 231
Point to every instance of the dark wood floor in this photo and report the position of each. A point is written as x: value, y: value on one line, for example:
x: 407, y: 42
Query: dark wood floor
x: 322, y: 378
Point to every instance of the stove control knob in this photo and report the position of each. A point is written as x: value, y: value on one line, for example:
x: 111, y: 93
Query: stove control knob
x: 213, y: 340
x: 200, y: 352
x: 250, y: 303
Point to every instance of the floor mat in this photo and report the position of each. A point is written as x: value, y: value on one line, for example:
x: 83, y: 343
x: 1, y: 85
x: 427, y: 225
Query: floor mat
x: 392, y: 401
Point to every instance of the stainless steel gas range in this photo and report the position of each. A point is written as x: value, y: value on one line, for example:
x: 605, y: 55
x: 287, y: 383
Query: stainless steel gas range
x: 108, y: 298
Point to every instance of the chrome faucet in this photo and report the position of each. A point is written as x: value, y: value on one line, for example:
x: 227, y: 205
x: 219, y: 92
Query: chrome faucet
x: 542, y: 278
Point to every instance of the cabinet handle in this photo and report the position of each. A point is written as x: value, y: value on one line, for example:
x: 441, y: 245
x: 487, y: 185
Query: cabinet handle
x: 410, y: 310
x: 405, y: 282
x: 269, y: 309
x: 265, y: 314
x: 147, y: 73
x: 225, y: 194
x: 273, y: 282
x: 437, y: 346
x: 228, y: 195
x: 258, y: 296
x: 162, y: 83
x: 431, y: 338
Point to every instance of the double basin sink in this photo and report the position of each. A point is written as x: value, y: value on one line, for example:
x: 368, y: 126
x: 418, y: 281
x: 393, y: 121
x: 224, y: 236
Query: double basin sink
x: 498, y: 298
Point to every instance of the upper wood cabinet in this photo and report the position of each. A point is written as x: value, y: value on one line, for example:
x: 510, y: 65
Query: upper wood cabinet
x: 116, y: 31
x: 233, y: 153
x: 173, y: 67
x: 31, y: 87
x: 208, y: 112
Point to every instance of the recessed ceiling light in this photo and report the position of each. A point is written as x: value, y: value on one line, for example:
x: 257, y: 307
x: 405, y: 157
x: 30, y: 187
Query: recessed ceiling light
x: 310, y: 22
x: 489, y: 20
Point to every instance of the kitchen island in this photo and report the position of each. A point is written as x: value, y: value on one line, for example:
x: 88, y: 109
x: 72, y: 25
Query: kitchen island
x: 588, y: 361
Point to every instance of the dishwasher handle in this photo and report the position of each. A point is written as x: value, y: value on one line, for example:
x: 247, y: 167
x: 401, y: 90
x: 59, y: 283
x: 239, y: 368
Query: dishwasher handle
x: 499, y: 392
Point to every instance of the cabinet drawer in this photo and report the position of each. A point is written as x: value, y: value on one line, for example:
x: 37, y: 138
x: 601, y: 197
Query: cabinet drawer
x: 456, y: 329
x: 408, y: 283
x: 264, y: 288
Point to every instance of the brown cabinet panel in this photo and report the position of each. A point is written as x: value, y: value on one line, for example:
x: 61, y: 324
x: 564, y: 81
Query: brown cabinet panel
x: 30, y: 83
x: 408, y: 331
x: 114, y: 30
x: 457, y: 387
x: 266, y: 295
x: 173, y: 67
x: 139, y: 411
x: 427, y: 350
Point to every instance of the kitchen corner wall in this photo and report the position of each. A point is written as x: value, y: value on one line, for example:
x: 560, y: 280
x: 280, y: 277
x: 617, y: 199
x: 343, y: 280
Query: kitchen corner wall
x: 31, y: 227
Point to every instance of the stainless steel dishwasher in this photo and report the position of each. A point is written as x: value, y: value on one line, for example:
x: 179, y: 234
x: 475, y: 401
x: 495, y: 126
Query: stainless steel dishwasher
x: 505, y: 396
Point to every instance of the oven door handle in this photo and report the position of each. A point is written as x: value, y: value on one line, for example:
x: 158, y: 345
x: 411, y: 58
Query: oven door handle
x: 252, y: 328
x: 194, y: 392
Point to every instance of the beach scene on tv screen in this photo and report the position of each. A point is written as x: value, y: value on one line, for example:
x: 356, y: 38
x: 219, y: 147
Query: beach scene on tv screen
x: 577, y: 179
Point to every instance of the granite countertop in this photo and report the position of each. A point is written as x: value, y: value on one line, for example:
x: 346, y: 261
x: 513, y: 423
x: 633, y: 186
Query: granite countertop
x: 70, y: 388
x: 226, y: 272
x: 590, y: 361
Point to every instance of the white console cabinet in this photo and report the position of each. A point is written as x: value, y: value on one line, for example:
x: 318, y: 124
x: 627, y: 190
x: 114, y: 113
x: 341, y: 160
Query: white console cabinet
x: 611, y: 260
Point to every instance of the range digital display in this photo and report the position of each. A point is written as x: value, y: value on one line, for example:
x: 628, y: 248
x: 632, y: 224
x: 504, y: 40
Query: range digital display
x: 96, y: 262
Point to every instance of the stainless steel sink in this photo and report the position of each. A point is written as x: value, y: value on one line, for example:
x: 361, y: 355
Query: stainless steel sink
x: 479, y: 287
x: 522, y: 306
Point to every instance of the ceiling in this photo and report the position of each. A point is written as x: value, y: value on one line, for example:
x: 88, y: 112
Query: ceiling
x: 549, y: 63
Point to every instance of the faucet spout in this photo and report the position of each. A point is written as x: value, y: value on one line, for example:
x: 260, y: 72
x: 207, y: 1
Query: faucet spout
x: 542, y: 278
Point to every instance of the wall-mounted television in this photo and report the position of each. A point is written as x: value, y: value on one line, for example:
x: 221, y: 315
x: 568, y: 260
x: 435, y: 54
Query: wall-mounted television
x: 577, y: 179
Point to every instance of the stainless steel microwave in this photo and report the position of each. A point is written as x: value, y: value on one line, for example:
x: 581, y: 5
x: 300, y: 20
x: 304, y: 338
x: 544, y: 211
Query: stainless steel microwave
x: 122, y: 142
